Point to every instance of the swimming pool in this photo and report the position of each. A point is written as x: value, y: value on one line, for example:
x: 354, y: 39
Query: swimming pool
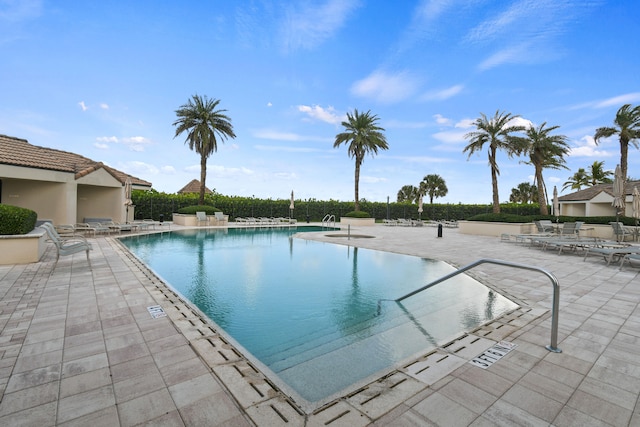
x: 307, y: 310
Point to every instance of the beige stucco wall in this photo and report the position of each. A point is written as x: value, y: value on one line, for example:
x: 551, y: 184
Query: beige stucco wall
x: 22, y: 249
x: 59, y: 197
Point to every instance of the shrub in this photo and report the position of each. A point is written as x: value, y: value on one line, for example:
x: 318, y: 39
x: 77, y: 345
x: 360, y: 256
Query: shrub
x: 357, y: 214
x: 16, y: 220
x: 501, y: 217
x: 191, y: 210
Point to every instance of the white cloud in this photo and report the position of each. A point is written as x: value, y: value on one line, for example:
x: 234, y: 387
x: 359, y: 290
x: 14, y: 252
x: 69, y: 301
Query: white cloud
x: 519, y: 121
x: 587, y: 147
x: 441, y: 120
x: 83, y: 106
x: 465, y: 123
x: 327, y: 115
x: 286, y: 136
x: 443, y: 94
x: 269, y: 104
x: 386, y: 88
x: 514, y: 54
x: 104, y: 106
x: 167, y: 170
x: 138, y: 168
x: 101, y: 146
x: 112, y: 139
x: 313, y: 23
x: 619, y: 100
x: 450, y: 137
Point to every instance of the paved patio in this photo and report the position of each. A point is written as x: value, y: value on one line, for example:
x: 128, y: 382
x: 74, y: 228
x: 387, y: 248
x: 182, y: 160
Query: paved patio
x: 80, y: 347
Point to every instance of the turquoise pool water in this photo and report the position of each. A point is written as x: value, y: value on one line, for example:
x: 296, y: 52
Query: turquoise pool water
x: 307, y: 309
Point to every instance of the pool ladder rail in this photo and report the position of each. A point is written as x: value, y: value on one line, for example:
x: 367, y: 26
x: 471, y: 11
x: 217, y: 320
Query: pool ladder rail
x: 328, y: 220
x: 553, y: 346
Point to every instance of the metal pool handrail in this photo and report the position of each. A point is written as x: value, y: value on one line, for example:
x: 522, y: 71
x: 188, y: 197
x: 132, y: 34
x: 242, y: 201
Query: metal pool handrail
x: 556, y: 292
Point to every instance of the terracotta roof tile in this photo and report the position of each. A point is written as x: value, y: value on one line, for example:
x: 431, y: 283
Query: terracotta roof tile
x: 18, y: 152
x: 193, y: 187
x: 591, y: 192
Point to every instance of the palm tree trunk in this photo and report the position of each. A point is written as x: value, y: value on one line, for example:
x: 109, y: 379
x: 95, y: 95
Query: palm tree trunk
x: 542, y: 200
x: 203, y: 178
x: 624, y: 149
x: 494, y: 180
x: 357, y: 180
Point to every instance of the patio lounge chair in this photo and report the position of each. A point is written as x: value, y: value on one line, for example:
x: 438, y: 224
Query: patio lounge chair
x: 612, y: 251
x: 630, y: 258
x: 545, y: 226
x: 67, y: 245
x: 202, y: 217
x: 220, y: 218
x: 620, y: 232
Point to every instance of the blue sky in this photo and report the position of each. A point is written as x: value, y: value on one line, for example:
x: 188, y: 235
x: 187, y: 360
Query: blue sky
x: 103, y: 79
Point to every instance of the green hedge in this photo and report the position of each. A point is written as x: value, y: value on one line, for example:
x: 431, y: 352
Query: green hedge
x: 16, y: 220
x: 357, y: 214
x: 152, y: 204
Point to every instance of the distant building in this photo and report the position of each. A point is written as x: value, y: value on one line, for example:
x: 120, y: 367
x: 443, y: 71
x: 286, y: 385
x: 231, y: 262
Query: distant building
x: 595, y: 201
x: 61, y: 186
x: 193, y: 187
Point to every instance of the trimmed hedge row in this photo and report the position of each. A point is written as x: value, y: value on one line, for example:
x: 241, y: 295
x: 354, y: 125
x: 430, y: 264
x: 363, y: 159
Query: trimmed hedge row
x: 16, y: 220
x: 152, y: 204
x: 491, y: 217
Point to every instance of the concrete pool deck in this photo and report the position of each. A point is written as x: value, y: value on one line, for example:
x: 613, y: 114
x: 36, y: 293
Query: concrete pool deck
x: 80, y: 347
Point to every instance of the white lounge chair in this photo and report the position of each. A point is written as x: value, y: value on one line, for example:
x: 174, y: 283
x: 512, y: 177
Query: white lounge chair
x: 67, y: 245
x: 202, y: 217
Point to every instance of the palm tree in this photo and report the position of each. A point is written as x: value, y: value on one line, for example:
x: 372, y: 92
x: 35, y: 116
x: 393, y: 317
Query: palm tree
x: 408, y: 193
x: 577, y: 180
x: 524, y: 193
x: 364, y: 136
x: 203, y: 122
x: 434, y: 186
x: 627, y: 128
x: 544, y: 151
x: 497, y: 133
x: 597, y: 174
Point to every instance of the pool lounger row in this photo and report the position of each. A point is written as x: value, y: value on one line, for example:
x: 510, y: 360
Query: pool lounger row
x: 614, y: 253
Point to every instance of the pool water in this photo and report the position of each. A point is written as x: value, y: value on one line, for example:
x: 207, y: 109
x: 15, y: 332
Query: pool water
x: 308, y: 310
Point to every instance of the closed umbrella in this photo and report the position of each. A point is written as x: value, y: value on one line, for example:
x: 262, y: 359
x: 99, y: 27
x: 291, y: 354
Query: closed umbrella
x: 291, y: 207
x: 420, y: 208
x: 127, y: 196
x: 618, y: 193
x: 635, y: 205
x: 556, y: 203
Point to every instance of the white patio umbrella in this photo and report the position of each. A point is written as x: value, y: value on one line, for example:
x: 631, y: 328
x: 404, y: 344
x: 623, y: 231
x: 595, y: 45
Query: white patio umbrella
x: 556, y: 203
x: 420, y: 208
x: 635, y: 205
x: 618, y: 192
x: 127, y: 196
x: 291, y: 207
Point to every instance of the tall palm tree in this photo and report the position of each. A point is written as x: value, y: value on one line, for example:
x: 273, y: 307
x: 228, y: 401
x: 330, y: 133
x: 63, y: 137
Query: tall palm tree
x: 204, y: 123
x: 363, y: 136
x: 627, y: 127
x: 496, y: 132
x: 434, y: 186
x: 544, y: 151
x: 597, y: 174
x: 408, y: 193
x: 577, y: 180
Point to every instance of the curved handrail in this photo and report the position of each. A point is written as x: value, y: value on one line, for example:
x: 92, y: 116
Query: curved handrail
x: 328, y: 218
x: 553, y: 346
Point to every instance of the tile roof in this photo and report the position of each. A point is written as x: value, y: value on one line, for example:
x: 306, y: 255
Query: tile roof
x: 591, y: 192
x: 19, y: 152
x: 193, y: 187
